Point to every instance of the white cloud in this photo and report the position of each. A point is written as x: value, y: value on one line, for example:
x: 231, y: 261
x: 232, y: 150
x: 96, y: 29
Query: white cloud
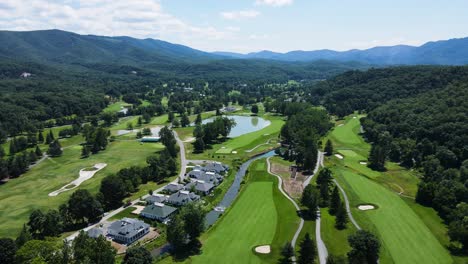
x: 136, y: 18
x: 274, y: 2
x: 240, y: 14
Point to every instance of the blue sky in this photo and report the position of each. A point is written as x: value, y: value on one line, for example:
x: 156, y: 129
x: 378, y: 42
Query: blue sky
x: 249, y: 25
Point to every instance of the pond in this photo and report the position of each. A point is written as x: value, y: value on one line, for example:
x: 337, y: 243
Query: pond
x: 233, y: 191
x: 244, y: 124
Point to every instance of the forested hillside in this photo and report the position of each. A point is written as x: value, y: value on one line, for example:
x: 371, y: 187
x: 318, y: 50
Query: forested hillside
x: 416, y: 116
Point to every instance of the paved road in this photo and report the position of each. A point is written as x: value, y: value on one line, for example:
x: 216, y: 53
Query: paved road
x: 280, y: 187
x: 321, y: 248
x: 348, y: 208
x: 317, y: 167
x: 183, y: 166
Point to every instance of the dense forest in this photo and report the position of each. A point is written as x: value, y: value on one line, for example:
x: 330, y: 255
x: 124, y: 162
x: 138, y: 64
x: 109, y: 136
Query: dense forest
x: 417, y: 117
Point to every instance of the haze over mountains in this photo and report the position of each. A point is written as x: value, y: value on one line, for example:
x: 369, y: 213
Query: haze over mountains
x: 450, y: 52
x: 66, y: 47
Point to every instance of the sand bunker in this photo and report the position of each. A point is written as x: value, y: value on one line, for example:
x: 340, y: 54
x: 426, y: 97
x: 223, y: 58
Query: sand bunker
x: 341, y: 125
x: 339, y: 156
x: 266, y: 249
x: 366, y: 207
x: 85, y: 174
x: 234, y: 152
x: 363, y: 163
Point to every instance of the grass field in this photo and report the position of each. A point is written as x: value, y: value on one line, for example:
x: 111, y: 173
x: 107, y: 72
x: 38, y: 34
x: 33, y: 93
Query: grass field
x: 405, y: 237
x: 30, y: 191
x: 261, y: 215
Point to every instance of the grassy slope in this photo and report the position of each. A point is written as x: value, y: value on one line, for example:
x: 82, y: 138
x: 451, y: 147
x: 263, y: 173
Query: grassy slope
x: 405, y: 237
x: 261, y: 215
x: 30, y: 191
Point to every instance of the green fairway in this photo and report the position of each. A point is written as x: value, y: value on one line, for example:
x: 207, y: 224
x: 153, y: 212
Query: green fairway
x: 405, y: 237
x: 260, y: 216
x: 30, y: 191
x: 115, y: 107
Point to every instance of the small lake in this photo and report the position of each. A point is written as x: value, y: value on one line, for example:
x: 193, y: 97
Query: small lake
x: 244, y: 124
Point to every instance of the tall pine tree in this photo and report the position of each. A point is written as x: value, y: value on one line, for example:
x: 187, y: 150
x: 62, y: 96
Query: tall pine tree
x: 307, y: 252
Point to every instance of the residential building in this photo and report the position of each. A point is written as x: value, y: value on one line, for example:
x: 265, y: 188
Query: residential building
x: 128, y: 230
x: 156, y: 198
x: 182, y: 198
x: 173, y: 187
x: 158, y: 211
x: 199, y: 187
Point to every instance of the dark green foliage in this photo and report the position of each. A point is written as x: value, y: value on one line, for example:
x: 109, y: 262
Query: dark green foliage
x: 169, y: 141
x: 43, y: 225
x: 92, y: 250
x: 38, y: 152
x: 83, y: 207
x: 307, y: 251
x: 328, y: 148
x: 458, y: 228
x: 23, y: 237
x: 85, y: 151
x: 310, y: 199
x: 254, y: 109
x: 287, y: 252
x: 113, y: 190
x: 302, y: 132
x: 335, y: 201
x: 198, y: 120
x: 209, y: 133
x: 324, y: 182
x: 7, y: 250
x: 198, y: 145
x: 365, y: 248
x: 137, y: 255
x: 184, y: 120
x: 38, y: 250
x: 55, y: 149
x: 341, y: 217
x: 176, y: 235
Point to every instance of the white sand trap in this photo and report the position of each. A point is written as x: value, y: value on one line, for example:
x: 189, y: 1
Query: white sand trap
x: 234, y: 152
x: 366, y: 207
x: 341, y: 125
x: 84, y: 175
x: 339, y: 156
x: 363, y: 163
x: 354, y: 117
x: 266, y: 249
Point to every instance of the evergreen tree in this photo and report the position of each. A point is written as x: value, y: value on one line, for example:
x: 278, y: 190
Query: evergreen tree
x: 335, y: 201
x: 310, y: 199
x: 32, y: 157
x: 38, y: 152
x: 13, y: 147
x: 328, y: 148
x: 184, y: 120
x: 139, y: 122
x: 7, y: 250
x: 307, y: 252
x: 341, y: 217
x: 49, y: 138
x: 85, y: 151
x: 198, y: 120
x: 176, y: 235
x: 2, y: 152
x: 365, y: 248
x: 55, y: 149
x: 40, y: 138
x: 199, y: 145
x: 170, y: 117
x: 51, y: 134
x: 146, y: 117
x: 23, y: 237
x: 287, y: 252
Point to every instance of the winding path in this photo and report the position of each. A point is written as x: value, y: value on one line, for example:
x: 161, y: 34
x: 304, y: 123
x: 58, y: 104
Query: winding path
x: 183, y: 166
x: 348, y: 208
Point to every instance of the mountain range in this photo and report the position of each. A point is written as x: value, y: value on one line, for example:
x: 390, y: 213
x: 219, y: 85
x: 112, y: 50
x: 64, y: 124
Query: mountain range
x: 444, y: 52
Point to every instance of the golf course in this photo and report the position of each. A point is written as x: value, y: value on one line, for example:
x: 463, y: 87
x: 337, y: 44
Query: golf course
x: 404, y: 235
x: 260, y: 209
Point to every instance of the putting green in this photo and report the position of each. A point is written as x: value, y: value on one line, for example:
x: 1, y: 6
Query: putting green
x: 224, y: 151
x: 405, y: 237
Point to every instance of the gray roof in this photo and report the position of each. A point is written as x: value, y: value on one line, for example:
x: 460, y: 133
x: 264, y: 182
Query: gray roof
x: 173, y: 187
x: 217, y: 167
x: 210, y: 177
x: 156, y: 198
x: 158, y: 210
x: 199, y: 186
x: 183, y: 197
x: 127, y: 227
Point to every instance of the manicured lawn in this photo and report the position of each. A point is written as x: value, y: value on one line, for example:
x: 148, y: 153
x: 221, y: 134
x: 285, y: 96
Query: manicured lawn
x: 115, y: 107
x: 30, y: 191
x: 261, y: 215
x: 336, y: 240
x: 127, y: 212
x: 405, y: 237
